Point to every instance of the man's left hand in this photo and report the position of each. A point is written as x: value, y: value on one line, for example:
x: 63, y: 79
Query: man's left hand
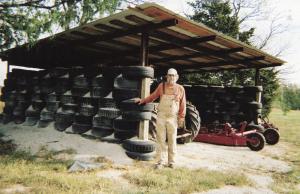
x: 181, y: 123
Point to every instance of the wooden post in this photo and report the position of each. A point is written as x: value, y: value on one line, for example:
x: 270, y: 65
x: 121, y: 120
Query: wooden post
x: 8, y: 69
x: 145, y: 85
x: 257, y: 83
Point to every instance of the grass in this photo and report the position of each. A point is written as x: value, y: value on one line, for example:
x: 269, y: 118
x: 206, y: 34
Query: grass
x: 289, y: 126
x: 43, y: 173
x: 182, y: 180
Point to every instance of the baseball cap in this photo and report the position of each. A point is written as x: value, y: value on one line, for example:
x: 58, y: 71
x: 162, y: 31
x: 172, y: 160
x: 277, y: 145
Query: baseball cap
x: 172, y: 71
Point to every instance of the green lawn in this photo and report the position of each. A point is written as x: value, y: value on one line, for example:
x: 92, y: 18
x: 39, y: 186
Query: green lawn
x: 289, y: 126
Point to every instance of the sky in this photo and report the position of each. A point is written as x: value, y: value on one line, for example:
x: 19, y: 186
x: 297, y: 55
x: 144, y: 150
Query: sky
x: 287, y: 14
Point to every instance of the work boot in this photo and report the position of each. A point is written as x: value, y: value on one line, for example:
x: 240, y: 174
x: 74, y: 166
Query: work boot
x: 171, y: 165
x: 158, y: 165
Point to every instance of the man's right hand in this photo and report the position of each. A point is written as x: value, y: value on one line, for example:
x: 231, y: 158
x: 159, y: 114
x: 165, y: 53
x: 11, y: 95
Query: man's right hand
x: 138, y: 101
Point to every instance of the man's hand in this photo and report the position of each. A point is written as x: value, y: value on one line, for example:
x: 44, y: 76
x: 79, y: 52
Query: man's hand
x: 181, y: 123
x: 138, y: 101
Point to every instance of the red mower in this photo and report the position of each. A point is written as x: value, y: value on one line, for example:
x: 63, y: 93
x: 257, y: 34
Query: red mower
x: 225, y: 134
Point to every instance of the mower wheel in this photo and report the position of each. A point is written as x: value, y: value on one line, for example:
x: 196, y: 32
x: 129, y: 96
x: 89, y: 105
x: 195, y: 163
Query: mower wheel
x: 255, y: 141
x: 272, y: 136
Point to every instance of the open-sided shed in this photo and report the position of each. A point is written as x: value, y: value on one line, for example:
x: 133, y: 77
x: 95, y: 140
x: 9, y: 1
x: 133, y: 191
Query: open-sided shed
x: 147, y: 35
x: 173, y: 41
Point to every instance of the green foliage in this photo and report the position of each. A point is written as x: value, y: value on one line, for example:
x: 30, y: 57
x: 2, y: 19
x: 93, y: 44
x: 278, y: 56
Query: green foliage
x: 24, y: 21
x: 219, y: 15
x: 289, y: 98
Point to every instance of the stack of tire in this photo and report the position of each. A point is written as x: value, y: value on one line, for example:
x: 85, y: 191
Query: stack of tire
x: 23, y: 97
x: 83, y: 119
x: 8, y: 95
x: 126, y: 126
x: 48, y: 113
x: 65, y: 115
x: 102, y: 98
x: 230, y: 104
x: 37, y: 104
x: 103, y: 120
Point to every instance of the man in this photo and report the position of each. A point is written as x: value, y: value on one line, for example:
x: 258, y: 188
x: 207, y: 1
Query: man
x: 170, y: 116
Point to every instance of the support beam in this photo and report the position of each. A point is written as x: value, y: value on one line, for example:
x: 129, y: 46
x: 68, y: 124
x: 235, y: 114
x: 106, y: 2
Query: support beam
x: 145, y: 85
x: 257, y: 83
x: 120, y: 33
x: 222, y: 63
x: 222, y: 52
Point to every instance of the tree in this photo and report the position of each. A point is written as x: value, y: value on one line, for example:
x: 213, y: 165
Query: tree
x: 226, y: 16
x: 26, y: 20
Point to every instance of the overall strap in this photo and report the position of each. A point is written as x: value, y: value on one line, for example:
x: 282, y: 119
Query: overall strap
x: 164, y: 87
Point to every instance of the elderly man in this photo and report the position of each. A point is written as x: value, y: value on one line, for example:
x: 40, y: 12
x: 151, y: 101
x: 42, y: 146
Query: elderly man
x: 170, y: 116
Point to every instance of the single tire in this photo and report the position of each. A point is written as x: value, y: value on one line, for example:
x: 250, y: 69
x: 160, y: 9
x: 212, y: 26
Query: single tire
x: 52, y: 106
x: 124, y: 134
x: 125, y: 125
x: 256, y: 141
x: 111, y: 113
x: 121, y: 94
x: 31, y: 121
x: 79, y: 128
x: 130, y: 105
x: 69, y: 107
x: 63, y: 121
x: 136, y: 115
x: 43, y: 123
x: 139, y: 146
x: 141, y: 156
x: 87, y: 110
x: 102, y: 121
x: 121, y: 82
x: 137, y: 72
x: 102, y: 131
x: 272, y: 136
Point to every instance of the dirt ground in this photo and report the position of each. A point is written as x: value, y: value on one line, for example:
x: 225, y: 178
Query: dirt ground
x: 258, y: 166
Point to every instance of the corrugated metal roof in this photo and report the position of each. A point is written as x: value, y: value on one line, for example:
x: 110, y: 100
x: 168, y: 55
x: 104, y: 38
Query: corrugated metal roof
x: 116, y: 39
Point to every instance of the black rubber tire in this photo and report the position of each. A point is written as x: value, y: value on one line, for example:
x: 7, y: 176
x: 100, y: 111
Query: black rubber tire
x: 102, y: 131
x: 272, y: 136
x: 19, y: 119
x: 137, y: 72
x: 130, y: 105
x: 121, y: 82
x: 139, y: 146
x: 107, y: 102
x: 52, y: 106
x: 125, y: 125
x: 87, y: 110
x: 79, y: 91
x: 111, y: 113
x: 71, y: 108
x: 80, y: 81
x: 192, y: 121
x: 124, y: 134
x: 141, y: 156
x: 136, y: 115
x: 43, y: 124
x: 63, y: 121
x: 259, y: 144
x: 31, y: 121
x: 81, y: 128
x: 120, y: 94
x: 47, y: 115
x: 98, y: 92
x: 98, y: 81
x: 102, y: 121
x: 30, y: 112
x: 81, y: 119
x: 254, y: 105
